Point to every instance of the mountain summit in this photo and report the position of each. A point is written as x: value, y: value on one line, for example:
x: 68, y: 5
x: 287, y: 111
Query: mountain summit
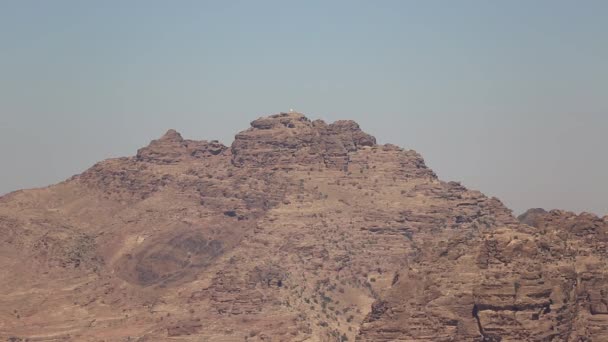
x: 299, y: 231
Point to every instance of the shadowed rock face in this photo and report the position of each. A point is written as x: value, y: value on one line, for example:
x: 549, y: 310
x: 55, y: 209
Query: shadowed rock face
x: 170, y: 258
x: 300, y: 231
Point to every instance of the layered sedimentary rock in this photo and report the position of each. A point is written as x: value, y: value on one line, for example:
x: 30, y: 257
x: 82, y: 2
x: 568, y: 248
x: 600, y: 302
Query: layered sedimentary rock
x: 543, y: 280
x: 172, y: 148
x: 300, y: 231
x: 291, y: 140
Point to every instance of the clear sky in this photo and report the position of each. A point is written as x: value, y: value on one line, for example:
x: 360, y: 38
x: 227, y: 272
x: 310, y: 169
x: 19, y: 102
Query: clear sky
x: 508, y: 97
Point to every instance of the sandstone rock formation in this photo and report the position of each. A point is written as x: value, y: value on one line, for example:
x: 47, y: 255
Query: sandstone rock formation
x: 544, y: 282
x: 300, y: 231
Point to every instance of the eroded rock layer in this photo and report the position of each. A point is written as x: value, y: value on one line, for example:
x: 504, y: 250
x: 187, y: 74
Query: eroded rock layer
x: 300, y: 231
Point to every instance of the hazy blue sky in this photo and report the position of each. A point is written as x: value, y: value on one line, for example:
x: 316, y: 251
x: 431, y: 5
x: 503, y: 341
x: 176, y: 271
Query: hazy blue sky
x: 509, y: 97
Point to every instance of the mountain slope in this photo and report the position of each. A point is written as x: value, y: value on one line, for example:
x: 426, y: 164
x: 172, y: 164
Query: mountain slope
x: 300, y: 231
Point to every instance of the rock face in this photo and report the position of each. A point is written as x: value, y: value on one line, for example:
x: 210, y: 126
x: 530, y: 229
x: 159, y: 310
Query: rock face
x: 300, y: 231
x: 579, y: 259
x: 171, y: 148
x: 544, y: 280
x: 290, y: 140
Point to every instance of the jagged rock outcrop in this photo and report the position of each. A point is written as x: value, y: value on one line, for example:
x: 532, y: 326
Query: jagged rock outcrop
x: 289, y: 140
x: 581, y: 260
x: 172, y: 148
x: 513, y: 282
x: 300, y: 231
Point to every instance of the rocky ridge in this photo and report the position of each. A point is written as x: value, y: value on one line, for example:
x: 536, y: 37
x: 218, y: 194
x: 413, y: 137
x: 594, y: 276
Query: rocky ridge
x: 299, y: 231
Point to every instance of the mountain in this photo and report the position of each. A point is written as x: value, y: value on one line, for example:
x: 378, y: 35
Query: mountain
x: 299, y: 231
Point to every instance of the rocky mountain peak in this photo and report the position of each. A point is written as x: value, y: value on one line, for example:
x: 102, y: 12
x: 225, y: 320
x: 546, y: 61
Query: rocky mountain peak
x: 171, y: 148
x: 301, y: 231
x: 286, y: 140
x: 172, y: 136
x: 282, y: 120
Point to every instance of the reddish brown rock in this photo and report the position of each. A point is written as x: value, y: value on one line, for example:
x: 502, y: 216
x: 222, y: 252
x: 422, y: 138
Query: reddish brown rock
x: 171, y: 148
x: 301, y: 231
x: 290, y: 140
